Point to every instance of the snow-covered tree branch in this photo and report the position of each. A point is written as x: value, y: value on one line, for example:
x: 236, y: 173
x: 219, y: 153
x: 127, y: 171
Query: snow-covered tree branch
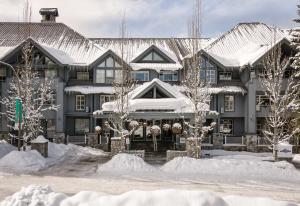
x: 281, y: 88
x: 35, y: 93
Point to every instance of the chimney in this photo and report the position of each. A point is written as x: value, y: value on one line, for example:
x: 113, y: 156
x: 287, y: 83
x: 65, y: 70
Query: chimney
x: 49, y: 14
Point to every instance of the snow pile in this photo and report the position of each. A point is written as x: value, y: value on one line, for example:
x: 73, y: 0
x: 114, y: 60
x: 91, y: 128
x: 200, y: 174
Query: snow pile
x: 23, y: 161
x: 34, y: 195
x: 37, y: 195
x: 32, y: 161
x: 296, y: 159
x: 5, y: 148
x: 40, y: 139
x: 232, y: 168
x: 125, y: 163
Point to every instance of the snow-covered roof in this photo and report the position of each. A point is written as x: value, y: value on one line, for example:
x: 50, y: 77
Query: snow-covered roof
x: 156, y: 66
x: 244, y: 44
x: 176, y: 102
x: 175, y: 48
x: 221, y: 90
x: 59, y: 40
x: 90, y: 89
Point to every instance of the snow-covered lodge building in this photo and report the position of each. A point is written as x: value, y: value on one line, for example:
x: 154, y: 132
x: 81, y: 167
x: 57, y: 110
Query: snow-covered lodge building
x: 84, y: 69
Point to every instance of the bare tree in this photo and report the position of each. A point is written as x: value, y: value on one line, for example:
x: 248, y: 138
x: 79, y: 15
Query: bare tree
x: 122, y: 84
x: 282, y: 90
x: 36, y: 95
x: 196, y: 88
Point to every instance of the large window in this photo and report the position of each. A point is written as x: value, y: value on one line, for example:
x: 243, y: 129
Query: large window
x: 262, y: 101
x: 226, y: 126
x: 50, y: 73
x: 168, y: 75
x: 225, y: 76
x: 81, y: 126
x: 83, y: 76
x: 2, y: 74
x: 106, y: 98
x: 109, y: 62
x: 100, y: 76
x: 80, y: 102
x: 229, y: 103
x: 140, y: 75
x: 153, y: 57
x: 211, y: 76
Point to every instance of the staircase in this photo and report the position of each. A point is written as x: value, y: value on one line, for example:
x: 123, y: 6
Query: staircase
x: 155, y: 158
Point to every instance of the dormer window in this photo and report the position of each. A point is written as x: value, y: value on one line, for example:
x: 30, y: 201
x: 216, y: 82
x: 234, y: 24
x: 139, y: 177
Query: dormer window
x: 153, y: 57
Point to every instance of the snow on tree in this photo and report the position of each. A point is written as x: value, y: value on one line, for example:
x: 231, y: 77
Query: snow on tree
x: 282, y: 91
x: 123, y: 84
x: 196, y: 88
x: 296, y: 62
x: 36, y: 94
x: 155, y: 131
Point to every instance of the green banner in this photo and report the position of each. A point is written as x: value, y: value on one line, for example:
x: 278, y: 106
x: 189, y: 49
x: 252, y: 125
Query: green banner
x: 18, y: 117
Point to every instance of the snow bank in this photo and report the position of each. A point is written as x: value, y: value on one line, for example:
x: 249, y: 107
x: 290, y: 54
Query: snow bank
x: 296, y: 159
x: 23, y: 161
x: 34, y: 195
x: 40, y: 139
x: 37, y: 195
x: 5, y: 148
x: 32, y: 161
x: 125, y: 162
x: 232, y: 168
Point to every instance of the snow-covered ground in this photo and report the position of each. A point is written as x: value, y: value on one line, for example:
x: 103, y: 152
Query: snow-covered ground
x: 43, y: 195
x: 71, y: 169
x: 13, y: 161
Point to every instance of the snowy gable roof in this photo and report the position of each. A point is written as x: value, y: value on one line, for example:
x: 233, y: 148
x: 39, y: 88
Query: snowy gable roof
x: 175, y: 48
x: 58, y: 39
x: 175, y: 102
x: 244, y: 44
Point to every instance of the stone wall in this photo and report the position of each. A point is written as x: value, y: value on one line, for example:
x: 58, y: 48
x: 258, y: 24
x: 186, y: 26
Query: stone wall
x: 42, y: 148
x: 171, y: 154
x: 117, y: 145
x: 59, y: 138
x: 92, y: 139
x: 191, y: 147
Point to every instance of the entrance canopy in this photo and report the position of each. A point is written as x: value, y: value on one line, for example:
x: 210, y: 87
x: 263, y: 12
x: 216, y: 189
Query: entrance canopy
x: 156, y: 97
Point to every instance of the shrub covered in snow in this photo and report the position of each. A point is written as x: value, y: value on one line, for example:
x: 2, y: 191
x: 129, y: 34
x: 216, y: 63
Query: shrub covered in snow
x: 166, y: 127
x: 176, y: 128
x: 155, y: 130
x: 43, y: 195
x: 133, y: 125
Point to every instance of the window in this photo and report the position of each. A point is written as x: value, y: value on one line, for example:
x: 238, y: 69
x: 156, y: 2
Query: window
x: 100, y: 76
x: 80, y: 102
x: 262, y: 101
x: 2, y: 74
x: 109, y: 76
x: 106, y: 98
x: 109, y: 62
x: 211, y: 76
x: 83, y: 76
x: 229, y: 103
x: 153, y: 57
x: 168, y: 76
x: 140, y: 75
x: 225, y: 76
x: 226, y: 126
x: 81, y: 126
x: 118, y: 76
x: 50, y: 73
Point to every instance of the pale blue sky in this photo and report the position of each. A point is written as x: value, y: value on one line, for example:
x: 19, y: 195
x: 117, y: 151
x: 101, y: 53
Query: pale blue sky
x: 156, y: 18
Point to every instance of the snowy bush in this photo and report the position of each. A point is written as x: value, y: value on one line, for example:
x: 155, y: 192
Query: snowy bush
x: 133, y: 125
x: 155, y: 130
x: 98, y: 129
x: 166, y: 127
x: 176, y: 128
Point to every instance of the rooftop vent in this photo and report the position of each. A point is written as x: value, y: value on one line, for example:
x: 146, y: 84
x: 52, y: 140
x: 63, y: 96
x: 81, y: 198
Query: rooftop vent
x: 49, y: 14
